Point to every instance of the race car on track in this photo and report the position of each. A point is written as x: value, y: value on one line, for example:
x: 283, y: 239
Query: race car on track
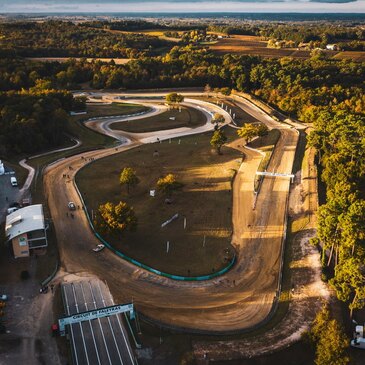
x: 99, y: 247
x: 71, y: 206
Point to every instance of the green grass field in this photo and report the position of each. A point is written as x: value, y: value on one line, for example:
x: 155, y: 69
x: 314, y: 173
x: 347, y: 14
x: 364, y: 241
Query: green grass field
x: 188, y: 117
x: 205, y: 200
x: 90, y: 139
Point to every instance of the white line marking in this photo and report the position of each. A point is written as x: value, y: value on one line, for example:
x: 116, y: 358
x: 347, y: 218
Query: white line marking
x: 110, y: 325
x: 72, y: 332
x: 101, y: 327
x: 122, y: 330
x: 82, y: 332
x: 91, y: 327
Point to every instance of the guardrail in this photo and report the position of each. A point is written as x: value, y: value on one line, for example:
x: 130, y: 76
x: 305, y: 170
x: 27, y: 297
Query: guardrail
x: 144, y: 266
x: 50, y: 278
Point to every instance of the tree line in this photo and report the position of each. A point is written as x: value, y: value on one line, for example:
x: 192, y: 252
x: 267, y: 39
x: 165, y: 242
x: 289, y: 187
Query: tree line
x: 300, y: 88
x: 66, y: 39
x: 339, y: 137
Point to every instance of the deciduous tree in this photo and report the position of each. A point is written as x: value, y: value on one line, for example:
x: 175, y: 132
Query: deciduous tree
x: 248, y: 132
x: 129, y: 178
x: 168, y: 184
x: 218, y: 118
x: 329, y: 340
x: 174, y: 98
x: 218, y: 140
x: 116, y: 218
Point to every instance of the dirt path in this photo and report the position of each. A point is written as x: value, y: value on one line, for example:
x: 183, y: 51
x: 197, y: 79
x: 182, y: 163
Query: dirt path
x: 308, y: 290
x: 241, y: 298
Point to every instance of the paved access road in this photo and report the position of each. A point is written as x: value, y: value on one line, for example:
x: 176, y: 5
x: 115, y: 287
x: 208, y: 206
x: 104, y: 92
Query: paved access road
x: 102, y: 341
x: 238, y: 300
x: 8, y: 193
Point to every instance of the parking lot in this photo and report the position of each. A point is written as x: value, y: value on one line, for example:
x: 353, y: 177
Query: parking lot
x: 98, y: 341
x: 8, y: 193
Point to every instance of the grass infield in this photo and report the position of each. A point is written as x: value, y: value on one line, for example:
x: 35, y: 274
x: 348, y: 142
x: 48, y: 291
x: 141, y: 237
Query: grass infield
x: 205, y: 200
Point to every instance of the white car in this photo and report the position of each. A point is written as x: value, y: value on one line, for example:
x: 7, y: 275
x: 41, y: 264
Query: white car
x: 12, y: 210
x: 99, y: 247
x: 71, y: 206
x: 3, y: 297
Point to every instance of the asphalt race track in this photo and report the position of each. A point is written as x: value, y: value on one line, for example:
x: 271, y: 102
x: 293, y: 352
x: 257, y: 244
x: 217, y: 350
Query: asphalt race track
x: 98, y: 341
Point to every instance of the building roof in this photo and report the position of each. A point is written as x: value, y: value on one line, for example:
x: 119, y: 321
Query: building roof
x: 24, y: 220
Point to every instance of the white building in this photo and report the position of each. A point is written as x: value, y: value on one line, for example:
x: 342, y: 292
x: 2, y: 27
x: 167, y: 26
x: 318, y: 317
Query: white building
x: 26, y: 230
x: 332, y: 47
x: 2, y: 169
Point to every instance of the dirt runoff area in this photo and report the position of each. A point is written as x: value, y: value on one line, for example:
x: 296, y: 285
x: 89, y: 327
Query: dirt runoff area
x: 307, y: 292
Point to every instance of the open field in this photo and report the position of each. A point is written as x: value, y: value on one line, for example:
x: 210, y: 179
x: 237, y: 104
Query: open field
x: 118, y: 61
x: 205, y: 200
x: 151, y: 32
x: 188, y: 117
x: 350, y: 55
x: 254, y: 45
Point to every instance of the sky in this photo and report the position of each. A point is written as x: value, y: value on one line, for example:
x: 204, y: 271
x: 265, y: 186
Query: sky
x: 176, y: 6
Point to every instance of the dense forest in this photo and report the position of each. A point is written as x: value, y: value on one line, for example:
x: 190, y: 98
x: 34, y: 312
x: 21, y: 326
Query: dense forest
x: 33, y: 120
x: 66, y: 39
x: 298, y: 87
x: 329, y: 94
x: 339, y: 136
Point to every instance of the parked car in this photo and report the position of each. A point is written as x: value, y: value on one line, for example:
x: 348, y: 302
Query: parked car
x: 55, y: 330
x: 99, y: 247
x: 44, y: 289
x: 13, y: 181
x: 25, y: 202
x: 71, y: 206
x: 12, y: 210
x: 3, y: 297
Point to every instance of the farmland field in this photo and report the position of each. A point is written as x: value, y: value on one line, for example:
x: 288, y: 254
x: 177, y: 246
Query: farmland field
x: 118, y: 61
x: 351, y: 55
x: 254, y: 45
x: 151, y: 32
